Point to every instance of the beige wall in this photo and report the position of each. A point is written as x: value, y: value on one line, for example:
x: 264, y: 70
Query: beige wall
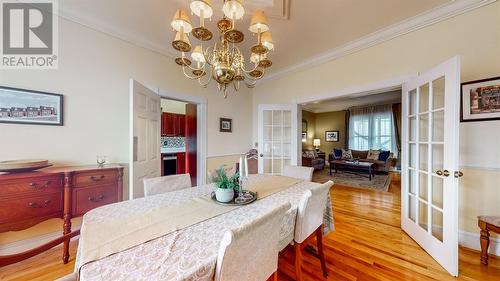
x: 330, y: 121
x: 475, y: 37
x: 93, y: 75
x: 311, y: 129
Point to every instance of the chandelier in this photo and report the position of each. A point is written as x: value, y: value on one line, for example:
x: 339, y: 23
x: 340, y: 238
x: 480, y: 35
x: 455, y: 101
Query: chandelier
x: 223, y: 61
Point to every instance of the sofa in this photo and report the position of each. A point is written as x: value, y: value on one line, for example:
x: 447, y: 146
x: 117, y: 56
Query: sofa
x: 311, y: 159
x: 361, y: 155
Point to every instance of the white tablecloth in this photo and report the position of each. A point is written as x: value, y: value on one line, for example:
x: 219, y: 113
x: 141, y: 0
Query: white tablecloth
x: 189, y: 253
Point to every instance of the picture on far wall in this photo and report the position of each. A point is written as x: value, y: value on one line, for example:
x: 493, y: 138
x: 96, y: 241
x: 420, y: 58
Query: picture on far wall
x: 480, y: 100
x: 21, y: 106
x: 332, y: 136
x: 226, y: 125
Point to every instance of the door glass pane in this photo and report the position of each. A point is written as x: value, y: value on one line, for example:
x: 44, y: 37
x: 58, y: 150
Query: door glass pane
x: 437, y: 157
x: 277, y: 117
x: 287, y: 118
x: 423, y: 159
x: 438, y: 126
x: 287, y: 134
x: 278, y: 163
x: 267, y: 149
x: 268, y: 133
x: 412, y: 208
x: 413, y: 102
x: 423, y: 186
x: 437, y: 191
x: 413, y: 129
x: 437, y: 224
x: 422, y: 214
x: 276, y: 150
x: 268, y: 117
x: 277, y: 135
x: 438, y: 89
x: 424, y: 127
x: 412, y: 156
x: 287, y: 151
x: 412, y: 181
x: 268, y: 167
x: 424, y: 98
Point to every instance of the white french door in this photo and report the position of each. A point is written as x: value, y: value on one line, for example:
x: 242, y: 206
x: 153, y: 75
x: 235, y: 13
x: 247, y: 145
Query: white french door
x: 145, y: 137
x: 278, y: 137
x: 430, y: 162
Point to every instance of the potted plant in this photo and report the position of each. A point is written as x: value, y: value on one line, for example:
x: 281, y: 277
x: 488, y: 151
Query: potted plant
x: 225, y: 185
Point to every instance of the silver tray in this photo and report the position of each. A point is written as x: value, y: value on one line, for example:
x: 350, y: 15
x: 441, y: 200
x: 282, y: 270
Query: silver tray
x: 250, y: 197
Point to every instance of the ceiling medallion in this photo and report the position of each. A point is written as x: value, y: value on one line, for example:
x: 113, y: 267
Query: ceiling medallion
x: 222, y: 60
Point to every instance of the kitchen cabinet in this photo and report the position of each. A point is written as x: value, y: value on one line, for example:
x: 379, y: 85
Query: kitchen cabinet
x: 173, y: 125
x: 181, y: 163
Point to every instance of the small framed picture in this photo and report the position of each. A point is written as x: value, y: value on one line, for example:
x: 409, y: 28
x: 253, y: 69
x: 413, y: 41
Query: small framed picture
x: 332, y: 136
x: 226, y: 125
x: 304, y: 137
x: 19, y: 106
x: 480, y: 100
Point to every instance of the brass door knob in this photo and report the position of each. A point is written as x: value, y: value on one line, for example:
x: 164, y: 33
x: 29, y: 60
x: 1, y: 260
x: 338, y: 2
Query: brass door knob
x: 459, y: 174
x: 439, y: 172
x: 446, y: 173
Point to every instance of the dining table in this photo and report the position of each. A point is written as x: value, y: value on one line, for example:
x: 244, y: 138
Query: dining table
x: 189, y: 253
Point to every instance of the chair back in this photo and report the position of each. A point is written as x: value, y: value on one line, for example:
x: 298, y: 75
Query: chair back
x: 250, y: 252
x: 159, y: 185
x: 310, y: 211
x: 298, y: 172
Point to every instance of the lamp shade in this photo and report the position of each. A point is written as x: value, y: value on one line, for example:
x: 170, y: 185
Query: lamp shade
x: 181, y: 21
x: 233, y: 9
x: 267, y: 40
x: 197, y: 54
x: 259, y: 22
x: 316, y: 142
x: 181, y: 42
x: 199, y: 6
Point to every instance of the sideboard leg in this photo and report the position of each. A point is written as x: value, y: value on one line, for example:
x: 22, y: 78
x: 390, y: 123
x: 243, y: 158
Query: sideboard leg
x: 68, y: 182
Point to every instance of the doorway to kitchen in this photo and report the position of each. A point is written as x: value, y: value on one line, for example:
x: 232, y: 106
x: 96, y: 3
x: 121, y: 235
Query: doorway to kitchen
x: 178, y: 141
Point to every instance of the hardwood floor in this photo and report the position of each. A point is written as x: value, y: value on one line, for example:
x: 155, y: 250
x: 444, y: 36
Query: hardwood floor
x: 368, y: 244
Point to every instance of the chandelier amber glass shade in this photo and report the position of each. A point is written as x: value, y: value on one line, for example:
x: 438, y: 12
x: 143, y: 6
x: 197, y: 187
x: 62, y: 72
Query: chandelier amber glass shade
x: 259, y: 22
x: 181, y: 22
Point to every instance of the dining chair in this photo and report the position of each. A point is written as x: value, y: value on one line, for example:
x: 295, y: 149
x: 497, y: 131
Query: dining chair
x: 309, y: 223
x: 250, y: 252
x: 159, y: 185
x: 298, y: 172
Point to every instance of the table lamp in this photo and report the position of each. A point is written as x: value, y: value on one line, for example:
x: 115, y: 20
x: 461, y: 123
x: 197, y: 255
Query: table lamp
x: 316, y: 143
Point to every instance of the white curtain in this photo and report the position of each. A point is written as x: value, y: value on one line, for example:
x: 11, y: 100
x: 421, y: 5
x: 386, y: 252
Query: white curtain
x: 372, y: 128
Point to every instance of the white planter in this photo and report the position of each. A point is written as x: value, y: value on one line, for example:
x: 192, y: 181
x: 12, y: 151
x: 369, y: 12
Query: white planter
x: 224, y: 195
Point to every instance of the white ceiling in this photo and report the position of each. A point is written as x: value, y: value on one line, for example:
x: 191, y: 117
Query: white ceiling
x: 344, y: 103
x: 301, y: 29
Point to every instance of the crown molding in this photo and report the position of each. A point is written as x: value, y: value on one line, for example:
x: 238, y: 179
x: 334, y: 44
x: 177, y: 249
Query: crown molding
x: 417, y: 22
x: 114, y: 31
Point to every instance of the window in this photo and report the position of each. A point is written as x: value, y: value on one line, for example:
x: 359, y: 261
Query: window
x: 372, y: 128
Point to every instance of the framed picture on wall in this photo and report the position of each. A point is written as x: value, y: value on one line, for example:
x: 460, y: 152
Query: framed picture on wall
x: 332, y: 136
x: 480, y: 100
x: 226, y: 125
x: 304, y: 126
x: 20, y: 106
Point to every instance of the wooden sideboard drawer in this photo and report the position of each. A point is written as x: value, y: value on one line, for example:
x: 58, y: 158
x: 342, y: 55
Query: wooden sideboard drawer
x: 23, y: 208
x: 88, y: 198
x: 38, y: 185
x: 95, y: 178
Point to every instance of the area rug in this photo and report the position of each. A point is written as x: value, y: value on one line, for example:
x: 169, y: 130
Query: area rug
x: 379, y: 182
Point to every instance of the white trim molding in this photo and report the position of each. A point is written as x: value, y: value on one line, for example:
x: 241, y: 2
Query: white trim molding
x: 471, y: 240
x: 430, y: 17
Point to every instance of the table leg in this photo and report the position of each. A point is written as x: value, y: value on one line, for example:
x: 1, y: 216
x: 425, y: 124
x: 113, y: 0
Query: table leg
x: 331, y: 168
x: 370, y: 172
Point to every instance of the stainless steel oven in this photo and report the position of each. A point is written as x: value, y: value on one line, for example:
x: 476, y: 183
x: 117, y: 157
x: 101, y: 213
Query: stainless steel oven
x: 169, y: 164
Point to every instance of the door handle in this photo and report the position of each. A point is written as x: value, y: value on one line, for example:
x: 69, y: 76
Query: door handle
x: 261, y: 155
x: 459, y: 174
x: 443, y: 173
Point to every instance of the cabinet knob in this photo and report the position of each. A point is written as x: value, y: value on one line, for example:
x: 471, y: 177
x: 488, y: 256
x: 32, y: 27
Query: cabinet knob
x: 35, y: 205
x: 99, y: 197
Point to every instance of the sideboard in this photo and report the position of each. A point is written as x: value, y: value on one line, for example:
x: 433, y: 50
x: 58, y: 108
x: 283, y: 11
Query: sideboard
x: 27, y: 199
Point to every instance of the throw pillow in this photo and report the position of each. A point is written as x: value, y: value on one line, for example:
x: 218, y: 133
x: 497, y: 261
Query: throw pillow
x: 346, y: 154
x: 384, y: 155
x: 373, y: 154
x: 337, y: 153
